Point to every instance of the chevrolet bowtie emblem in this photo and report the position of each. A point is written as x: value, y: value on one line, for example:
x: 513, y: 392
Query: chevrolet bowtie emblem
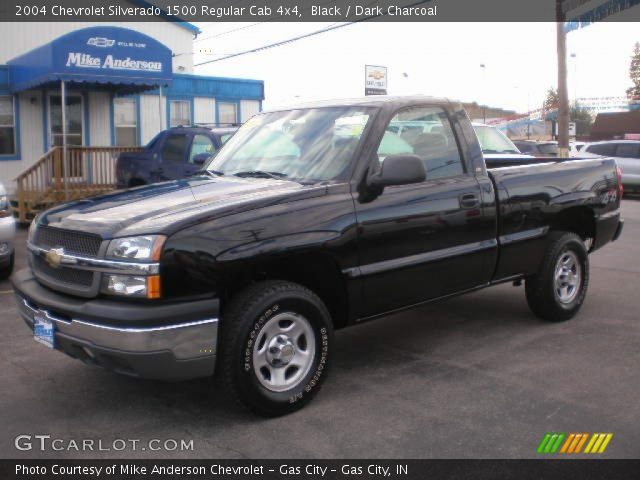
x: 54, y: 257
x: 376, y: 75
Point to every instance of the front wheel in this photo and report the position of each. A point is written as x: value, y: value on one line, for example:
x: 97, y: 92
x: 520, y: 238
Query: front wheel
x: 558, y: 290
x: 274, y: 347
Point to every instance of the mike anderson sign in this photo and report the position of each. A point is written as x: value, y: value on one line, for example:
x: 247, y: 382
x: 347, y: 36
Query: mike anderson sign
x: 95, y: 55
x: 84, y: 60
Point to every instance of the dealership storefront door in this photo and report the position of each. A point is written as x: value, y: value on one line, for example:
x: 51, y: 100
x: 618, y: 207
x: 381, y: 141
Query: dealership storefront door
x: 74, y: 120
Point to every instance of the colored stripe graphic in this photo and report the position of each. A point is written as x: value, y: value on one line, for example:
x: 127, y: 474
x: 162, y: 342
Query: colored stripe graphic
x: 572, y: 443
x: 598, y: 443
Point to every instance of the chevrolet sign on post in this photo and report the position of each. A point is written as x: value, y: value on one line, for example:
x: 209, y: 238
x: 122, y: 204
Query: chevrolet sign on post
x: 375, y: 80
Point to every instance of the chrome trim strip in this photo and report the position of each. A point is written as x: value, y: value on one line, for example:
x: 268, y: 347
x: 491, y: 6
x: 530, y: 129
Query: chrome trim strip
x: 420, y: 258
x: 524, y: 235
x: 148, y: 329
x: 97, y: 265
x: 613, y: 213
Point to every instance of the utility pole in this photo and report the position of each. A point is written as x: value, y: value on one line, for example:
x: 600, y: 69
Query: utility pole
x: 563, y: 97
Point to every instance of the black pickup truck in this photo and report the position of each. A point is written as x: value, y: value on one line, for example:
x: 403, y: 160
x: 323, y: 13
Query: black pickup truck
x: 308, y: 220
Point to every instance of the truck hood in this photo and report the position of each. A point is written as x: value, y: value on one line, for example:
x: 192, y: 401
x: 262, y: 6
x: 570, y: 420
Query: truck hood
x: 167, y: 207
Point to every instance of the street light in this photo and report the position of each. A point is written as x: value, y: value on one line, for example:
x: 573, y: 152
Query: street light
x: 484, y: 84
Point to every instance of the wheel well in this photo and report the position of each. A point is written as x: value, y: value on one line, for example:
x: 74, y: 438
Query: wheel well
x: 579, y: 220
x: 318, y: 272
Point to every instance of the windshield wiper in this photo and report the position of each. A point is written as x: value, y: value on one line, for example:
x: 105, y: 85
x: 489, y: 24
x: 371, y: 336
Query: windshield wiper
x: 212, y: 173
x: 261, y: 174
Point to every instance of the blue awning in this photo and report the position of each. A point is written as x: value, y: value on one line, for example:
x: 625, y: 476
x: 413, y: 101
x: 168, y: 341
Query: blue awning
x: 105, y: 57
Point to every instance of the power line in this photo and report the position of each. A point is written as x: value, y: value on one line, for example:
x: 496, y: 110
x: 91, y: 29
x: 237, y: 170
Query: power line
x: 277, y: 44
x: 227, y: 32
x: 299, y: 37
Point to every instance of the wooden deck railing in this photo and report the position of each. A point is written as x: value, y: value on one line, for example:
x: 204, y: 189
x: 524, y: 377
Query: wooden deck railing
x: 89, y: 171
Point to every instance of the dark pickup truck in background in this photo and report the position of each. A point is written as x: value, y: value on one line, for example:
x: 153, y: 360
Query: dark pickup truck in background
x: 308, y: 220
x: 172, y: 154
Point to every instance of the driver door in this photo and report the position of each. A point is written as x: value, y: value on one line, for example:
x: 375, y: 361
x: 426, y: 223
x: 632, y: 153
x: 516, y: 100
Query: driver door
x: 422, y: 241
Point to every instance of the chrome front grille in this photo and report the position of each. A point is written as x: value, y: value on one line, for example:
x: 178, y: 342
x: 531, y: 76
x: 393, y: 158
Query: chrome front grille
x: 77, y: 243
x: 68, y: 276
x: 65, y: 278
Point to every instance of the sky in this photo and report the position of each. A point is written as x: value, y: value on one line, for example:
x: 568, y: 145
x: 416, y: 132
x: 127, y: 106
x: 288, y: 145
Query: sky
x: 439, y: 59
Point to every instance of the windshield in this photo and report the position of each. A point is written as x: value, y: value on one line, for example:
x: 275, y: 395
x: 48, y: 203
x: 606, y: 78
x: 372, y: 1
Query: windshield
x: 493, y: 140
x: 315, y: 144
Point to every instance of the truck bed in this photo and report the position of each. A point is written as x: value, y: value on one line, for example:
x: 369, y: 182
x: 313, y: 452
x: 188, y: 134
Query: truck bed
x: 544, y: 194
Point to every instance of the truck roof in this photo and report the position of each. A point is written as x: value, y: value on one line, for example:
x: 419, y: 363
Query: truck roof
x: 370, y: 101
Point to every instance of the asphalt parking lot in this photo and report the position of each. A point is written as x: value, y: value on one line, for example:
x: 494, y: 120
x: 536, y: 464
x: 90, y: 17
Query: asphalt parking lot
x: 474, y: 377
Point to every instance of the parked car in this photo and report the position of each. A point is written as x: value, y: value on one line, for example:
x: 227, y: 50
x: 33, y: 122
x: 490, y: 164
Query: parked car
x: 575, y: 148
x: 497, y: 148
x: 627, y: 156
x: 537, y: 148
x: 7, y: 234
x: 301, y: 226
x: 172, y: 154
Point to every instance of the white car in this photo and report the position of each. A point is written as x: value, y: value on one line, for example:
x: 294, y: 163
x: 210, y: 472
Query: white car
x: 575, y: 148
x: 7, y: 235
x: 626, y: 154
x: 496, y: 146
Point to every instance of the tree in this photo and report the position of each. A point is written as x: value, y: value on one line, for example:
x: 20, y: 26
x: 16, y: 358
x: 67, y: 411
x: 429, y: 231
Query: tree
x: 552, y: 101
x: 634, y: 73
x: 582, y: 119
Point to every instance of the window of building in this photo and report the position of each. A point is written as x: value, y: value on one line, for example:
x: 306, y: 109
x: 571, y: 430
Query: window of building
x: 7, y: 126
x: 125, y: 119
x: 179, y: 113
x: 227, y: 113
x: 427, y: 133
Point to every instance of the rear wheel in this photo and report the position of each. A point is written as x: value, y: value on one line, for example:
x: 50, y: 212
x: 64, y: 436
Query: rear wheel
x: 274, y: 347
x: 558, y: 290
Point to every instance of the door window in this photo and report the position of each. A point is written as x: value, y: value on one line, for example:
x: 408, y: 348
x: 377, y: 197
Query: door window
x: 605, y: 149
x: 201, y: 144
x: 74, y: 120
x: 427, y: 133
x: 173, y: 150
x: 628, y: 150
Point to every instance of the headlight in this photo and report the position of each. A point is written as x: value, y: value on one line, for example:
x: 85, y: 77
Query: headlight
x: 136, y: 249
x: 131, y: 286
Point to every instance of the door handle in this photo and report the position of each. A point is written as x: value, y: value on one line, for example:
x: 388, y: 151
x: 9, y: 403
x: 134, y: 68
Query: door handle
x: 469, y: 200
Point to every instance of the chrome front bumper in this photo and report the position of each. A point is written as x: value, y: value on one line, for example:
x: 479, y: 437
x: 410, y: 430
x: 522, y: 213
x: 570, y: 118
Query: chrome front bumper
x: 168, y: 349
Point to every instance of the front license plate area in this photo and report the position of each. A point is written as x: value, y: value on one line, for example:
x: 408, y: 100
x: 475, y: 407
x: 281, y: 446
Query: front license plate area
x: 44, y: 330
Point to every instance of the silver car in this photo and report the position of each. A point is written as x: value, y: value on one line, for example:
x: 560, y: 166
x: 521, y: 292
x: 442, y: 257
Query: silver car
x: 626, y: 154
x: 7, y: 235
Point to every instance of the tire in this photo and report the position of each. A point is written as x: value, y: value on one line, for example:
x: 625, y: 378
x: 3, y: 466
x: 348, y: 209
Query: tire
x: 5, y: 272
x: 557, y: 301
x: 274, y: 347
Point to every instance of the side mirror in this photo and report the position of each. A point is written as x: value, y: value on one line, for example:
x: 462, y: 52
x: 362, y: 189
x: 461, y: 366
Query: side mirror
x: 201, y: 158
x: 399, y: 170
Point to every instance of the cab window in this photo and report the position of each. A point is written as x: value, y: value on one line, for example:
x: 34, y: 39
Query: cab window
x: 431, y: 138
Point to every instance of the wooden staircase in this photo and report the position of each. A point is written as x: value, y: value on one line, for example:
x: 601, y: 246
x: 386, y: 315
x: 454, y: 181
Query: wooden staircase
x: 89, y: 171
